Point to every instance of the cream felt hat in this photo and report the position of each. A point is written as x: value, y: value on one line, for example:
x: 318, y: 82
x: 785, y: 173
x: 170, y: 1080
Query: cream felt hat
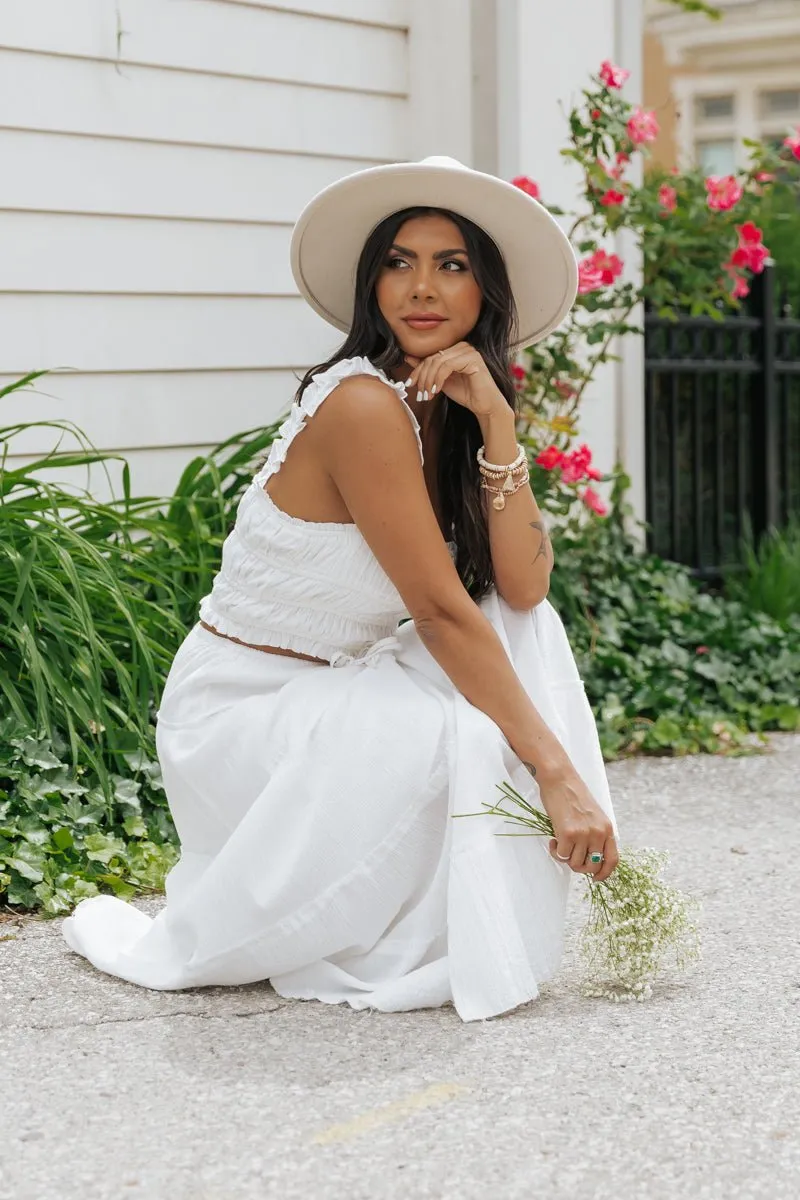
x: 331, y: 231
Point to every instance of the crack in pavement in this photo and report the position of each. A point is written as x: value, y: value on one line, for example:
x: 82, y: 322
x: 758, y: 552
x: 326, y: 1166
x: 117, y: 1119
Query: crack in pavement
x: 201, y: 1016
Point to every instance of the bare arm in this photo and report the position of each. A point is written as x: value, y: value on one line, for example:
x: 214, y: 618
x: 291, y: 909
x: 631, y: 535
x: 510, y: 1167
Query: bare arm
x: 369, y: 450
x: 367, y: 445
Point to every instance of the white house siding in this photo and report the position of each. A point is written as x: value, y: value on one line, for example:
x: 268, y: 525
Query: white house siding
x: 155, y: 153
x: 153, y: 156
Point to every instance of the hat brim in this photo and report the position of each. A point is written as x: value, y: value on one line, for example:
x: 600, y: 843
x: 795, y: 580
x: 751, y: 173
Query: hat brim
x: 331, y: 231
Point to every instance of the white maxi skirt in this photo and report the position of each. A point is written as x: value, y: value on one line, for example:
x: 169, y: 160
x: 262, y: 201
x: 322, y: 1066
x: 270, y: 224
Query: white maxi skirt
x: 314, y: 808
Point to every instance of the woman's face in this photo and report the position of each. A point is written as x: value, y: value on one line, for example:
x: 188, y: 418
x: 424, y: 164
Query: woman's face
x: 426, y: 290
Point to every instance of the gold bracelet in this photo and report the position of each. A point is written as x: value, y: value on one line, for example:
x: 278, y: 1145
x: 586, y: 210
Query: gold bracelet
x: 507, y: 489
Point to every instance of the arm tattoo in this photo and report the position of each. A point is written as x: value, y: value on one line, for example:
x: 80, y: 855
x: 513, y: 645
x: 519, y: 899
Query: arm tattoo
x: 530, y: 767
x: 545, y: 541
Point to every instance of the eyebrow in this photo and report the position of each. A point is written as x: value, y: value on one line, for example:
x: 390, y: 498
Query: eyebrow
x: 439, y: 253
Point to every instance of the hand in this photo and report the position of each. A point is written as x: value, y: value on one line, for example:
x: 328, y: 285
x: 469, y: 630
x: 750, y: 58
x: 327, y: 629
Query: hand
x: 580, y: 825
x: 468, y: 379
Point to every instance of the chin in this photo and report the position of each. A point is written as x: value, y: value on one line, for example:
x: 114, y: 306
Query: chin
x: 424, y: 344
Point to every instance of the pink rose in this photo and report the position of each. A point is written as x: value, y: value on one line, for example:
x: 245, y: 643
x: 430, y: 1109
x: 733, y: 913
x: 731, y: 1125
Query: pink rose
x: 590, y: 278
x: 611, y: 198
x: 765, y: 177
x: 598, y: 270
x: 723, y: 192
x: 751, y: 252
x: 701, y: 650
x: 613, y: 76
x: 519, y: 375
x: 576, y: 464
x: 667, y: 198
x: 740, y: 288
x: 749, y: 234
x: 642, y: 126
x: 550, y: 458
x: 565, y: 390
x: 792, y: 142
x: 754, y: 258
x: 593, y: 502
x: 525, y: 184
x: 609, y: 265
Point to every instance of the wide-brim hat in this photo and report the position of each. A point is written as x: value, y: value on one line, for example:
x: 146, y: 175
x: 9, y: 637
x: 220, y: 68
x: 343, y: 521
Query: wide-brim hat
x: 331, y: 231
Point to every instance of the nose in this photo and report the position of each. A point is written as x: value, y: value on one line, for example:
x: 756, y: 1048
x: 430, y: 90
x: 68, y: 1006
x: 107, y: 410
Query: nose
x: 423, y: 283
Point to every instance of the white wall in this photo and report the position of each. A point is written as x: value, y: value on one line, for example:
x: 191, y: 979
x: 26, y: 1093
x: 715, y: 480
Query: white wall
x: 154, y: 156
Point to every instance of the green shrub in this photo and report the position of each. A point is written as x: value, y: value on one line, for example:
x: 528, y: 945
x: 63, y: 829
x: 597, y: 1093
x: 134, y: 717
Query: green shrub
x: 64, y: 837
x: 96, y: 597
x: 668, y: 667
x: 768, y: 578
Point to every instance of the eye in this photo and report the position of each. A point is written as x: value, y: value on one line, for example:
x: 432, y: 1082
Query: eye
x: 454, y: 262
x: 393, y: 262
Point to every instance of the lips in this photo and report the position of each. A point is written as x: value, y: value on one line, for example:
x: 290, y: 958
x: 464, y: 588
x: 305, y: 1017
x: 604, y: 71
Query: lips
x: 424, y: 321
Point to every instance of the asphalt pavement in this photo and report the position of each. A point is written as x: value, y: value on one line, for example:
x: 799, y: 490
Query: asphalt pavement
x: 112, y: 1092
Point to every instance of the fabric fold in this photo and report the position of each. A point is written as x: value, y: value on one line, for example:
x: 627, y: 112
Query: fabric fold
x: 342, y: 866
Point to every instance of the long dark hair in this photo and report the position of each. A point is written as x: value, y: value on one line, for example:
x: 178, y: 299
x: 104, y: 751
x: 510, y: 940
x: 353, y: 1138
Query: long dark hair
x: 370, y: 337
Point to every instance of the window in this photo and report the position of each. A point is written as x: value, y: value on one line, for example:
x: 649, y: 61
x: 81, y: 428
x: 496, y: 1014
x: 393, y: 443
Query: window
x: 784, y: 103
x: 713, y: 108
x: 717, y: 157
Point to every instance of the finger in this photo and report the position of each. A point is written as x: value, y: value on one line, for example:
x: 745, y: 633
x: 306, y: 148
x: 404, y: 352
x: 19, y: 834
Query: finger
x: 594, y: 869
x: 610, y: 861
x: 457, y: 360
x: 446, y: 364
x: 450, y: 362
x: 427, y: 380
x: 577, y: 860
x: 415, y: 364
x: 561, y: 850
x: 424, y: 379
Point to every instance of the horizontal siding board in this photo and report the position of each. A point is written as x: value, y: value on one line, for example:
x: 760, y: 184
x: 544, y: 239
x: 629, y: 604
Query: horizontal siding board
x: 72, y: 174
x: 150, y: 409
x: 394, y: 13
x: 47, y: 252
x: 101, y: 333
x: 75, y: 96
x: 229, y: 39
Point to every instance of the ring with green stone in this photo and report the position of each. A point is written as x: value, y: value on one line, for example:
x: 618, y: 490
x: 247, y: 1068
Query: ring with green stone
x: 596, y: 857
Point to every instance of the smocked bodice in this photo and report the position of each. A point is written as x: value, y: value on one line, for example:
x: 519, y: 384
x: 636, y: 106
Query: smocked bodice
x: 312, y: 587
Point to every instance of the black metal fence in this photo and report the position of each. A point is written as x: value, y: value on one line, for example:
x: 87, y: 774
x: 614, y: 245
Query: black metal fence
x: 722, y: 420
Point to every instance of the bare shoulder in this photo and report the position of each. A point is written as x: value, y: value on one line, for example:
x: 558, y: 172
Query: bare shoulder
x: 359, y: 397
x: 369, y: 448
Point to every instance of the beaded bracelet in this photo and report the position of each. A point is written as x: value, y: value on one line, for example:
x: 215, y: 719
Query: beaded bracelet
x: 507, y: 489
x: 487, y: 468
x: 494, y: 472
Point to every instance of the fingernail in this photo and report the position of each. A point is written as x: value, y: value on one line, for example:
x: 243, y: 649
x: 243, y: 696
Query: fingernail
x: 407, y: 382
x: 425, y: 396
x: 433, y: 390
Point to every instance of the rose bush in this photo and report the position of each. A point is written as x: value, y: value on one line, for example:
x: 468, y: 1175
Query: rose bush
x: 699, y: 241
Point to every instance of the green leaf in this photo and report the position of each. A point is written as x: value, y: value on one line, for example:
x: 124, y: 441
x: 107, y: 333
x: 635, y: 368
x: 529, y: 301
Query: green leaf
x: 26, y: 870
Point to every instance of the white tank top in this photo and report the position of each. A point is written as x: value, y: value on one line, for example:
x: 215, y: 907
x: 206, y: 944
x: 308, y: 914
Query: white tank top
x: 313, y: 587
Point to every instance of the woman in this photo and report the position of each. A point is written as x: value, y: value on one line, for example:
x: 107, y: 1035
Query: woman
x: 315, y: 805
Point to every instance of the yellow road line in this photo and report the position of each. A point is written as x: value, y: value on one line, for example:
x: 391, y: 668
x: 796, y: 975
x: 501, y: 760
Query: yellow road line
x: 437, y: 1093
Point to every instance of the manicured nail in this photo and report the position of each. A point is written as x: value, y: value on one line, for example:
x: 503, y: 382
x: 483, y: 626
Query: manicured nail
x: 407, y: 382
x: 425, y: 396
x: 433, y: 390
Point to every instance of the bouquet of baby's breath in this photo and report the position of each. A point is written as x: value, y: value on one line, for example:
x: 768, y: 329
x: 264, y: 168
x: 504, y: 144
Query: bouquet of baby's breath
x: 636, y: 919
